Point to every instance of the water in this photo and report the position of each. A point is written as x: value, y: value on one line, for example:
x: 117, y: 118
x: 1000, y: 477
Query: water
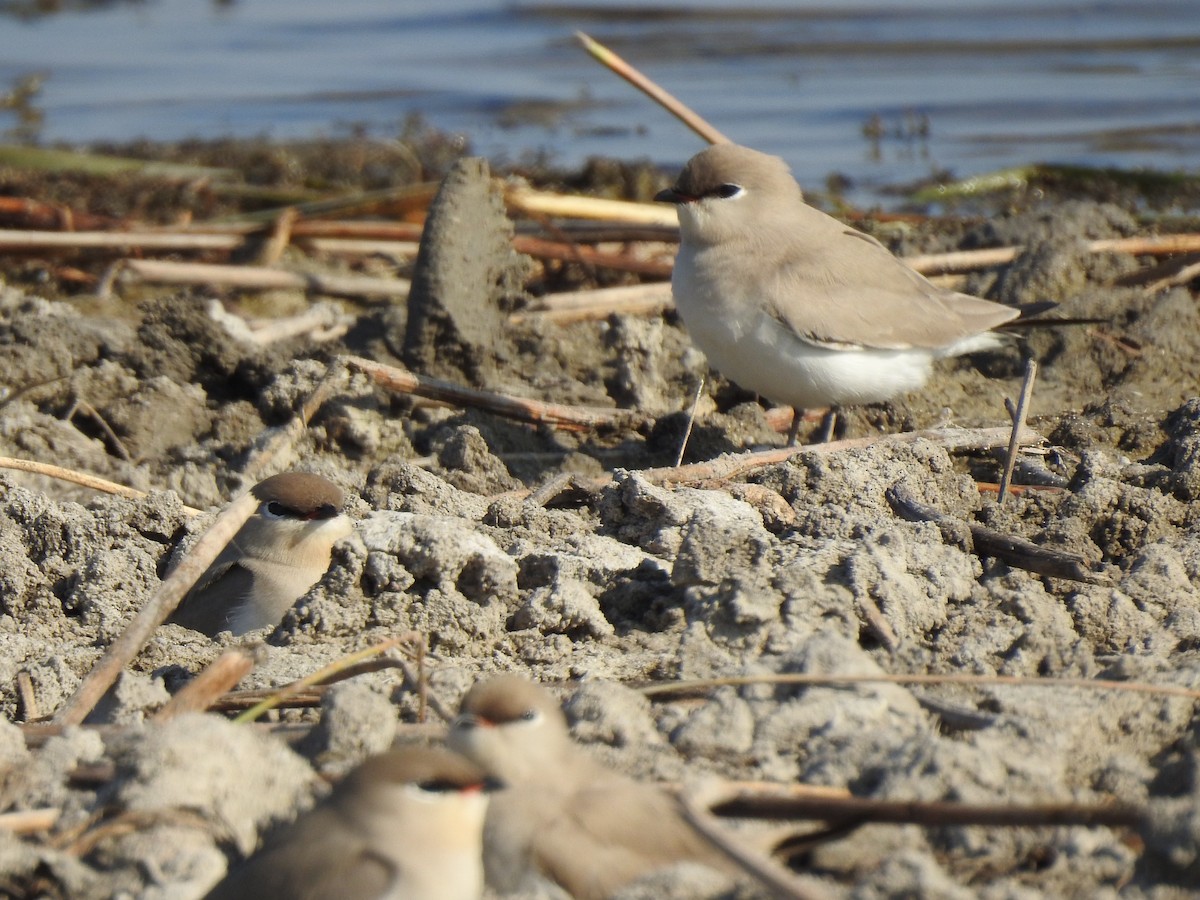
x: 881, y: 92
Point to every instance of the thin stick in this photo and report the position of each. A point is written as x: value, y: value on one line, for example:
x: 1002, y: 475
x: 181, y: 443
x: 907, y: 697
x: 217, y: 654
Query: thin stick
x: 28, y: 697
x: 95, y: 482
x: 696, y: 803
x: 671, y: 104
x: 537, y: 247
x: 412, y: 196
x: 959, y: 261
x: 1018, y: 422
x: 339, y: 246
x: 82, y: 406
x: 768, y: 804
x: 621, y: 262
x: 543, y: 203
x: 1183, y: 276
x: 1151, y: 245
x: 322, y: 321
x: 991, y: 487
x: 315, y: 678
x: 280, y: 237
x: 258, y: 278
x: 600, y: 303
x: 731, y: 466
x: 238, y: 701
x: 986, y: 541
x: 280, y: 440
x: 49, y: 216
x: 309, y: 696
x: 656, y: 691
x: 218, y: 677
x: 431, y: 699
x: 28, y: 821
x: 422, y: 682
x: 571, y: 418
x: 11, y: 241
x: 122, y: 650
x: 734, y: 465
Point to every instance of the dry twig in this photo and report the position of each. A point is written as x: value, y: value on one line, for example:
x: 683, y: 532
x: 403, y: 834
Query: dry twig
x: 571, y: 418
x: 766, y: 803
x: 734, y: 465
x: 1018, y: 419
x: 697, y: 802
x: 959, y: 261
x: 43, y: 241
x: 279, y: 238
x: 280, y: 440
x: 29, y: 821
x: 572, y: 206
x: 590, y: 256
x: 94, y: 482
x: 258, y: 278
x: 668, y: 102
x: 580, y: 306
x: 986, y: 541
x: 321, y: 675
x: 27, y: 697
x: 666, y: 690
x: 218, y: 677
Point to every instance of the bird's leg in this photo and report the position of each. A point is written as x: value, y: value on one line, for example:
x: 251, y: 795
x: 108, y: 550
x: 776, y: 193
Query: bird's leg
x: 797, y: 415
x: 828, y: 423
x: 687, y: 432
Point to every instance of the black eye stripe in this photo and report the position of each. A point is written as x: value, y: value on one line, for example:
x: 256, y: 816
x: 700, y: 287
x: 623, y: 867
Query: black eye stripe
x: 279, y: 510
x: 440, y: 786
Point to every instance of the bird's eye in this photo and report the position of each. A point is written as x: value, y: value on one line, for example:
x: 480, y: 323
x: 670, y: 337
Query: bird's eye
x: 439, y: 786
x: 530, y: 715
x: 273, y: 509
x: 727, y: 191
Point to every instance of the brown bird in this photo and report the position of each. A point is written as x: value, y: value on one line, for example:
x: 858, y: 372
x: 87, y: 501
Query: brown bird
x: 563, y: 815
x: 799, y: 307
x: 283, y: 549
x: 404, y: 825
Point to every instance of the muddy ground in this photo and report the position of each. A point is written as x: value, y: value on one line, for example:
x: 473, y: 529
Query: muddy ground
x: 802, y: 567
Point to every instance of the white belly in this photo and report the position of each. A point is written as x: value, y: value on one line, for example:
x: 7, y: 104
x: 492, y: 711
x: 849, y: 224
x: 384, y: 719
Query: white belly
x: 760, y: 354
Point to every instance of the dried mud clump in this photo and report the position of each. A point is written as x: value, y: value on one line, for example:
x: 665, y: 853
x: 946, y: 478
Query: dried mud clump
x: 615, y: 578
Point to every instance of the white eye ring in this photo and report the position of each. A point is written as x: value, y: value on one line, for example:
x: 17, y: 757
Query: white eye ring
x: 728, y: 191
x: 273, y: 509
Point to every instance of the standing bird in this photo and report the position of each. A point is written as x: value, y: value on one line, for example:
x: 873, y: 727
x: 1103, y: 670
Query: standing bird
x: 283, y: 549
x: 404, y: 825
x: 793, y: 304
x: 563, y: 816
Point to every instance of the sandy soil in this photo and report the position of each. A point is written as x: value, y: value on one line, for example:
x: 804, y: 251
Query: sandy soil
x: 804, y: 567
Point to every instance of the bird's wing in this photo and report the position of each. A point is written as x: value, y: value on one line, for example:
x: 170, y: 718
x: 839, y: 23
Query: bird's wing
x: 615, y: 832
x: 843, y: 290
x: 208, y: 606
x: 338, y: 865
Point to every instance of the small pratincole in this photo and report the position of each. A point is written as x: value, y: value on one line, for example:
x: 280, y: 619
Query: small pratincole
x: 562, y: 816
x: 283, y: 549
x: 404, y: 825
x: 793, y: 304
